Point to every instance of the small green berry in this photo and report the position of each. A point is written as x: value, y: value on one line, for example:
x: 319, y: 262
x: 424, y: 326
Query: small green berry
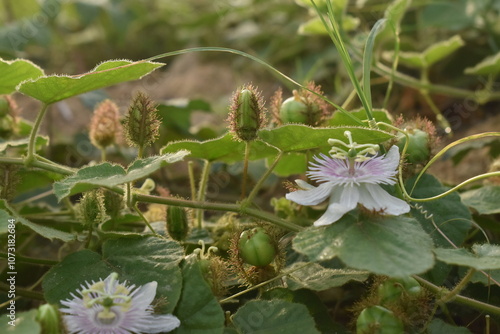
x: 418, y: 150
x: 378, y: 320
x: 256, y: 247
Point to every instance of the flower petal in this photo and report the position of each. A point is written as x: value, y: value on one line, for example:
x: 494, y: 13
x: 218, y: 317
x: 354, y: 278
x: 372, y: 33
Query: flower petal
x: 161, y: 323
x: 312, y: 196
x: 143, y: 296
x: 342, y: 200
x: 374, y: 197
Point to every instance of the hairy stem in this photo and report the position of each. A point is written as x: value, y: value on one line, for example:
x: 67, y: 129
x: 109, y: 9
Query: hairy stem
x: 202, y: 189
x: 32, y: 260
x: 263, y: 178
x: 34, y: 131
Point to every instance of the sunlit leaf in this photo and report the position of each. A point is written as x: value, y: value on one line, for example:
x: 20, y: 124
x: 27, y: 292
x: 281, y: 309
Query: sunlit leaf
x: 292, y: 137
x: 271, y: 317
x: 53, y: 88
x: 340, y: 119
x: 109, y: 175
x: 23, y: 323
x: 40, y: 142
x: 392, y: 246
x: 225, y: 149
x: 431, y: 55
x: 488, y: 66
x: 312, y: 276
x: 16, y: 71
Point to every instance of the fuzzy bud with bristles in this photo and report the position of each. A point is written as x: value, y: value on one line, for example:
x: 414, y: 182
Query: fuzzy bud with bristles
x: 247, y: 113
x: 177, y: 223
x: 92, y: 210
x: 105, y: 127
x: 141, y: 123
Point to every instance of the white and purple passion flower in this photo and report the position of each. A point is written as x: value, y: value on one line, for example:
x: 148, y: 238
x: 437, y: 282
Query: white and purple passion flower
x: 349, y: 177
x: 113, y: 307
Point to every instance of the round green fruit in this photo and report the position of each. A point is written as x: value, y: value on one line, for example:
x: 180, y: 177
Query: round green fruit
x: 293, y: 110
x: 256, y: 247
x: 378, y: 320
x: 418, y: 150
x: 392, y: 289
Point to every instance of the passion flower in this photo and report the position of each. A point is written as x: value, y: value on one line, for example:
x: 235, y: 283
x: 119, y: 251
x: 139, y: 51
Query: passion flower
x: 256, y: 247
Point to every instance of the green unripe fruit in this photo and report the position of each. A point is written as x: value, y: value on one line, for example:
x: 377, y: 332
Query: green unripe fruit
x: 48, y: 316
x: 293, y: 110
x: 177, y: 223
x: 7, y: 125
x: 256, y: 247
x: 392, y: 289
x: 418, y: 150
x: 378, y: 320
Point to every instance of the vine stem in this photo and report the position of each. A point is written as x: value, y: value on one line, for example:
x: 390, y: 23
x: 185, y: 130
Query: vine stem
x: 32, y: 260
x: 220, y: 207
x: 459, y: 287
x: 263, y: 178
x: 245, y: 169
x: 23, y: 292
x: 459, y: 298
x: 136, y: 209
x: 202, y: 189
x: 30, y: 158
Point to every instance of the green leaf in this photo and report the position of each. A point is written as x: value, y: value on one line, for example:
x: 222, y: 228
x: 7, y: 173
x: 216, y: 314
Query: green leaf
x: 313, y: 26
x: 484, y: 200
x: 450, y: 215
x: 431, y: 55
x: 109, y: 175
x: 488, y: 258
x: 291, y: 137
x: 271, y: 317
x: 40, y: 142
x: 340, y: 119
x: 290, y: 163
x: 315, y: 277
x: 438, y: 326
x: 488, y: 66
x: 53, y: 88
x: 47, y: 232
x: 158, y: 260
x: 25, y: 322
x: 73, y: 271
x: 224, y: 149
x: 16, y: 71
x: 367, y: 60
x: 198, y: 309
x: 392, y: 246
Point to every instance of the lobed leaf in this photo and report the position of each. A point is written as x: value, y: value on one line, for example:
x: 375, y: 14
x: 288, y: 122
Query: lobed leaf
x: 6, y: 212
x: 109, y: 175
x: 315, y: 277
x: 294, y: 137
x: 392, y: 246
x: 53, y: 88
x: 158, y: 258
x: 484, y: 200
x: 488, y: 66
x: 462, y: 257
x: 271, y: 317
x: 198, y: 309
x: 16, y: 71
x: 224, y: 149
x: 40, y: 141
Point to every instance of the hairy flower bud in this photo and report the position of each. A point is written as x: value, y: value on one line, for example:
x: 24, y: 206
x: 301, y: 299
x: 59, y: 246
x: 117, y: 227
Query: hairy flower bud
x: 141, y: 123
x: 177, y: 223
x: 105, y: 127
x: 92, y: 210
x: 246, y: 115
